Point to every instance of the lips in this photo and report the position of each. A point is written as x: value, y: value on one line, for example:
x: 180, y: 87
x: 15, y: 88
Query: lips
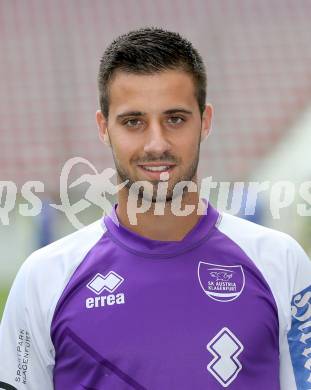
x: 154, y: 170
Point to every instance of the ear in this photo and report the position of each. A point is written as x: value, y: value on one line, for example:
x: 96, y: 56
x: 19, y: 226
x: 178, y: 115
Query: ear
x: 206, y: 121
x: 102, y: 128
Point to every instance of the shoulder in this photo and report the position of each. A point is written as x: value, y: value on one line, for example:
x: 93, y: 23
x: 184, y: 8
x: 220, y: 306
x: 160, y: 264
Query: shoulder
x: 66, y: 251
x: 260, y: 240
x: 277, y: 255
x: 46, y: 272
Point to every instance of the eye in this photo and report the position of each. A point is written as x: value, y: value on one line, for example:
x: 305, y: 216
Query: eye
x: 176, y: 120
x: 132, y: 122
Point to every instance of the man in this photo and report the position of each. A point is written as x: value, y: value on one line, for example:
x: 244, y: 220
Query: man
x: 178, y: 300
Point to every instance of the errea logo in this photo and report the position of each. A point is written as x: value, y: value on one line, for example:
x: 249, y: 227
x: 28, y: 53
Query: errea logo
x: 110, y: 282
x: 98, y: 284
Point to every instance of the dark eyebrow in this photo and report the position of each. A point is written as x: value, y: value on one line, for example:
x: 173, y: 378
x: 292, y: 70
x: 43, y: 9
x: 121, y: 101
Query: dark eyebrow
x: 130, y: 113
x: 139, y: 113
x: 176, y: 110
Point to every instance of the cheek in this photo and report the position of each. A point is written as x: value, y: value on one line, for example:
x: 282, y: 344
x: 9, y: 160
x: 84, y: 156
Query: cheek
x: 124, y: 149
x: 188, y: 147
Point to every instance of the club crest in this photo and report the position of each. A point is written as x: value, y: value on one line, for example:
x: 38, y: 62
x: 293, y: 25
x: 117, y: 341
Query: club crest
x: 223, y: 283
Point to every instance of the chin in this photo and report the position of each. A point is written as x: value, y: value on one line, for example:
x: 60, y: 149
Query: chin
x: 167, y: 200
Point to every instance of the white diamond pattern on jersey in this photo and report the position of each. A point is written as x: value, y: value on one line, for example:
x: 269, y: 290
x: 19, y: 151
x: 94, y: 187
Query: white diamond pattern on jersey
x: 225, y: 347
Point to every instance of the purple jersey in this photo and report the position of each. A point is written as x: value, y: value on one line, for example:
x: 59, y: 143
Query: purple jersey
x: 105, y: 308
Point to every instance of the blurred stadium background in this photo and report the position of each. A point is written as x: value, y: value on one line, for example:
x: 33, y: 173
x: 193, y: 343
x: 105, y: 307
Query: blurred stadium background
x: 258, y: 56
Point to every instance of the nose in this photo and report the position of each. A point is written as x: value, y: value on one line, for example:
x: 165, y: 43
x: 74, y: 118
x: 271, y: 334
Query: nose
x: 156, y: 141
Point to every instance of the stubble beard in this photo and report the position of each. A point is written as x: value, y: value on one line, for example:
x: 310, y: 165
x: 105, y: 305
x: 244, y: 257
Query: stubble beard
x: 144, y: 194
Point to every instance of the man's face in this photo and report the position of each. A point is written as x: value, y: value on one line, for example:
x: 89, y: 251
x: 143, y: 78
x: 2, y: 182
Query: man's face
x: 154, y: 124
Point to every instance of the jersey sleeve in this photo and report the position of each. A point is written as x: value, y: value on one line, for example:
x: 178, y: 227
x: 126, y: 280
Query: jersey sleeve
x: 25, y: 346
x: 299, y: 334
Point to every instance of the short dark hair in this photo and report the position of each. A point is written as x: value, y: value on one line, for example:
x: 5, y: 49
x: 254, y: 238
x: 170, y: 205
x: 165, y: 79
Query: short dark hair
x: 146, y: 51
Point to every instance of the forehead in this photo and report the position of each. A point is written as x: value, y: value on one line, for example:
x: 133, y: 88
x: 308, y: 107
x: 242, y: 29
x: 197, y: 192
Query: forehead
x: 151, y: 92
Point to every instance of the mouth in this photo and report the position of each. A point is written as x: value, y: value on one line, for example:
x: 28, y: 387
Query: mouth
x: 154, y: 170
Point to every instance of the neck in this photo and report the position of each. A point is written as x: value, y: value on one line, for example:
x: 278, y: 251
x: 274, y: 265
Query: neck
x: 164, y: 227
